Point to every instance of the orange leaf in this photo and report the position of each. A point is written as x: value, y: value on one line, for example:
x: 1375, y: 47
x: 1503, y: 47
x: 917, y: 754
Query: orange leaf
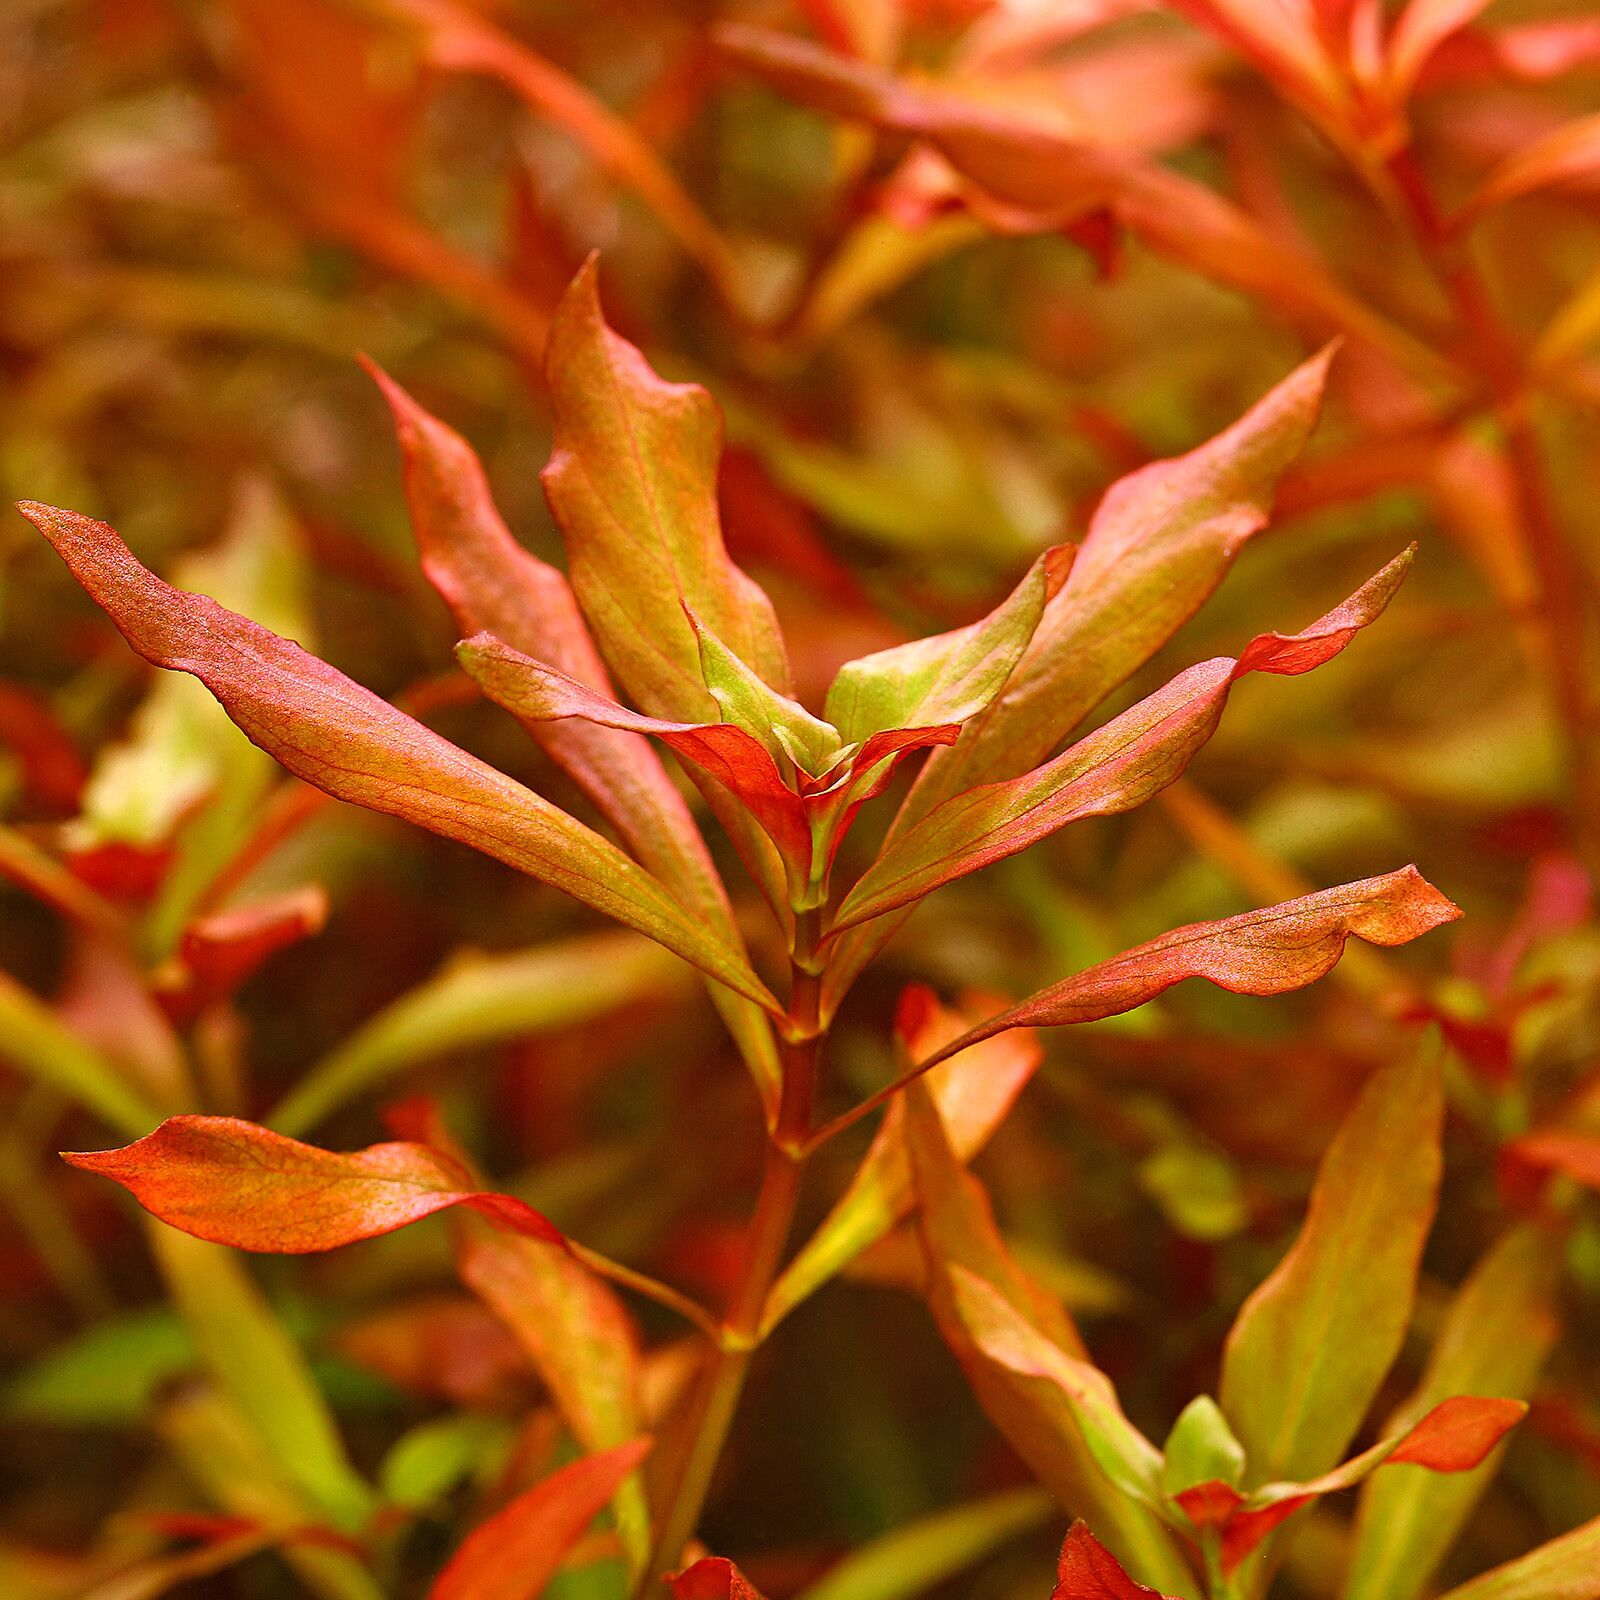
x: 516, y: 1553
x: 236, y: 1183
x: 713, y: 1578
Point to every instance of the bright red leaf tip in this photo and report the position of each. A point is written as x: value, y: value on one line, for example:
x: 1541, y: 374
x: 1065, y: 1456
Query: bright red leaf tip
x: 1458, y: 1433
x: 235, y: 1183
x: 714, y: 1578
x: 1088, y: 1571
x: 515, y: 1554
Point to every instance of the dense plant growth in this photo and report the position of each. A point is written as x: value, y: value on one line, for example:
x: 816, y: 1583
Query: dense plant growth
x: 784, y: 1154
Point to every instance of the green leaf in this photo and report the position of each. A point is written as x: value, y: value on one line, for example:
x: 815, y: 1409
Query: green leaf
x: 1310, y: 1347
x: 1201, y: 1448
x: 263, y: 1370
x: 1498, y: 1330
x: 925, y: 1553
x: 478, y: 1000
x: 426, y: 1462
x: 950, y: 676
x: 106, y: 1376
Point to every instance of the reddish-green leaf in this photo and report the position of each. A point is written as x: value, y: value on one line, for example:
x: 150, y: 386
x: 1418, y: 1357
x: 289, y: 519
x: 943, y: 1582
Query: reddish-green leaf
x: 516, y: 1553
x: 1114, y: 769
x: 1088, y: 1571
x: 1270, y: 951
x: 218, y: 952
x: 1495, y: 1336
x: 1160, y: 542
x: 578, y: 1336
x: 1025, y: 1360
x: 357, y: 747
x: 712, y: 1578
x: 1528, y: 1162
x: 236, y: 1183
x: 1311, y: 1345
x: 1563, y: 1569
x: 632, y: 482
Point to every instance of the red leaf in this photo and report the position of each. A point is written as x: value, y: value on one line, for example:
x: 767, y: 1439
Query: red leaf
x: 218, y: 952
x: 516, y: 1553
x: 713, y: 1578
x: 1528, y: 1163
x: 1270, y: 951
x: 1088, y: 1571
x: 344, y: 739
x: 235, y: 1183
x: 1114, y: 769
x: 1459, y: 1433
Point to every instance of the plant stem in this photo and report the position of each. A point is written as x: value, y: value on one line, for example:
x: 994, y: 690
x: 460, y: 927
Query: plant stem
x: 720, y: 1385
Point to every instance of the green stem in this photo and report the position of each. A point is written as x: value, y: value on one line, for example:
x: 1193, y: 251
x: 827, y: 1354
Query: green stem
x: 716, y: 1396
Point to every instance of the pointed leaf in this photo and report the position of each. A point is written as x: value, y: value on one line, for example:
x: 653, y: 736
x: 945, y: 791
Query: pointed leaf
x: 951, y: 676
x: 1039, y: 1415
x: 1498, y: 1330
x: 973, y: 1093
x: 1568, y: 154
x: 580, y: 1339
x: 712, y: 1578
x: 1311, y: 1345
x: 1271, y: 951
x: 1088, y: 1571
x: 236, y: 1183
x: 1160, y: 542
x: 345, y: 740
x: 516, y: 1553
x: 1120, y: 766
x: 1455, y: 1436
x: 632, y: 483
x: 492, y: 584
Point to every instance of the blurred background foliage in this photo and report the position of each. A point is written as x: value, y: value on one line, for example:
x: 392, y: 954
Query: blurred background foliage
x: 207, y: 209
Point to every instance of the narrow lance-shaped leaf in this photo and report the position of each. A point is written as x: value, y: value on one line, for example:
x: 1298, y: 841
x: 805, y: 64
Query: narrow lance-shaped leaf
x: 951, y: 676
x: 1088, y: 1571
x: 1310, y: 1347
x: 357, y: 747
x: 234, y: 1183
x: 632, y: 482
x: 515, y: 1554
x: 1026, y: 1362
x: 1158, y: 545
x: 1120, y: 766
x: 1496, y: 1334
x: 921, y: 1555
x: 580, y: 1339
x: 1271, y: 951
x: 492, y: 584
x: 632, y: 485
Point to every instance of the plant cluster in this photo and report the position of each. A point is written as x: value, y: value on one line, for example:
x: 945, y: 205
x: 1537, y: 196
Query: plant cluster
x: 871, y: 672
